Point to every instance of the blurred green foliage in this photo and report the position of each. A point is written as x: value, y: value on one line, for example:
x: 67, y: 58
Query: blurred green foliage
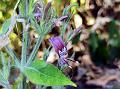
x: 105, y: 51
x: 6, y: 8
x: 101, y: 48
x: 114, y: 34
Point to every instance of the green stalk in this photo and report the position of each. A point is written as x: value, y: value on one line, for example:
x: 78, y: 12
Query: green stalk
x: 13, y: 55
x: 35, y: 50
x: 26, y: 7
x: 24, y: 45
x: 24, y: 82
x: 5, y: 85
x: 8, y: 86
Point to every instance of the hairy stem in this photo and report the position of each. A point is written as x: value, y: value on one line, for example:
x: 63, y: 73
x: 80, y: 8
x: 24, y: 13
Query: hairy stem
x: 13, y: 55
x: 35, y: 50
x: 24, y: 44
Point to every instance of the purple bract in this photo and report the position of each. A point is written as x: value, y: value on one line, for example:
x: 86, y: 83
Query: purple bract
x: 57, y: 43
x: 60, y: 49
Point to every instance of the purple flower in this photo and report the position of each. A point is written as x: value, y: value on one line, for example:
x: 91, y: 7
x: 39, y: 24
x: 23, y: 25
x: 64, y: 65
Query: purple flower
x: 37, y: 12
x: 37, y: 16
x: 57, y: 43
x: 60, y: 49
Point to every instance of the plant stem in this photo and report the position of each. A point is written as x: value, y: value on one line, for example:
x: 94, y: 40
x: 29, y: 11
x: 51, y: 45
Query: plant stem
x: 35, y: 50
x: 24, y: 44
x: 8, y: 86
x: 24, y: 83
x: 13, y: 55
x: 26, y: 7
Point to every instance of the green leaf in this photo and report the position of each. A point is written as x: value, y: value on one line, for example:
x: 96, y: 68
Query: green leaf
x: 5, y: 27
x: 31, y: 6
x: 4, y: 72
x: 22, y: 7
x: 66, y: 10
x: 46, y: 74
x: 4, y: 40
x: 6, y: 66
x: 8, y: 26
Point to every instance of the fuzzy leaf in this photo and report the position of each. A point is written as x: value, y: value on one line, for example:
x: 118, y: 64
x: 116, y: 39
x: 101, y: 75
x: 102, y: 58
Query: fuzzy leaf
x: 5, y: 27
x: 66, y: 10
x: 31, y: 6
x: 46, y: 74
x: 22, y: 7
x: 4, y: 40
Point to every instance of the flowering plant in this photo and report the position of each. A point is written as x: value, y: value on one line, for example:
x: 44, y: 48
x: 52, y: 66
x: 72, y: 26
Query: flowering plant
x: 41, y: 18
